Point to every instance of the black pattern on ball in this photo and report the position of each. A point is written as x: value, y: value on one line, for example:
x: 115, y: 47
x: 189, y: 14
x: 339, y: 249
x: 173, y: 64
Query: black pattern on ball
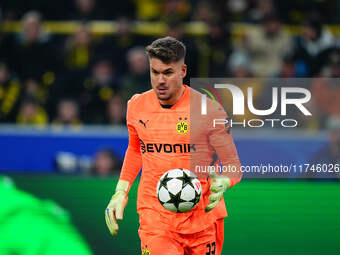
x: 179, y: 190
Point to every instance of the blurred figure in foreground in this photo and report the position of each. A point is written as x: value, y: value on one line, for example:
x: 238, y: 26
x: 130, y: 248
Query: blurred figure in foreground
x: 31, y: 226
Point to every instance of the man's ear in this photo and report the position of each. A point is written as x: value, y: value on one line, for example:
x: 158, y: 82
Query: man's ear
x: 184, y: 70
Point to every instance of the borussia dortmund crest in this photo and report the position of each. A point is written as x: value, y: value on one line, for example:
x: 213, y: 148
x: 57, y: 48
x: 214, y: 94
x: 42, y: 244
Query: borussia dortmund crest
x: 145, y: 251
x: 182, y: 127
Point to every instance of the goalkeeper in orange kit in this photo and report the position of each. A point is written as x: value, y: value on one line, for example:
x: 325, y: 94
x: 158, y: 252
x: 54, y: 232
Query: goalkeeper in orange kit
x: 152, y: 120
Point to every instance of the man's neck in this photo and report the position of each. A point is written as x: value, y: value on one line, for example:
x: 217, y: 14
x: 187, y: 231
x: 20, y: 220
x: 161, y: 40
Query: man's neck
x: 166, y: 106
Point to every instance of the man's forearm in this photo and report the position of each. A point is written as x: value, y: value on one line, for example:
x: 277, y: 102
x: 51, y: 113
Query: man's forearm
x: 131, y: 166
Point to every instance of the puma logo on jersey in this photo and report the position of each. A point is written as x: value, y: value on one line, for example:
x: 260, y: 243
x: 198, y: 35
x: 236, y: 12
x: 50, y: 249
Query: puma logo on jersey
x: 166, y: 147
x: 144, y: 123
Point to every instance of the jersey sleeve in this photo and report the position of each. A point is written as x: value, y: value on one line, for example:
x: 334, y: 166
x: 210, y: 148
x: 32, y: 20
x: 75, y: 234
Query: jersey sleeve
x: 133, y: 158
x: 221, y: 140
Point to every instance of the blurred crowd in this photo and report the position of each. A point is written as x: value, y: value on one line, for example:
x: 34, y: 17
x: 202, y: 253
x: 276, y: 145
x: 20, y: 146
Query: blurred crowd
x: 105, y: 162
x: 84, y: 78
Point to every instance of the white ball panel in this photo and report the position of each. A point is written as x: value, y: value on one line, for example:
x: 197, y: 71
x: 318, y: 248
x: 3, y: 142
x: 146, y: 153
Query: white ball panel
x: 188, y: 193
x: 175, y: 173
x: 185, y: 206
x: 174, y: 186
x: 170, y: 207
x: 163, y: 195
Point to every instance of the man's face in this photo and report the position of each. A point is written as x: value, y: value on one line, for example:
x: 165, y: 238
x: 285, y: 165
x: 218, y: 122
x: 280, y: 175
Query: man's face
x: 167, y: 80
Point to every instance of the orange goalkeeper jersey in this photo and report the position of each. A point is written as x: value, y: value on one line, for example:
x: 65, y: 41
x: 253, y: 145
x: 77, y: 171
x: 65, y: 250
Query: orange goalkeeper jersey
x: 161, y: 139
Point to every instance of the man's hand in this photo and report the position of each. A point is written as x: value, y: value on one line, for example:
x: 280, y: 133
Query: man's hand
x: 115, y: 208
x: 219, y: 184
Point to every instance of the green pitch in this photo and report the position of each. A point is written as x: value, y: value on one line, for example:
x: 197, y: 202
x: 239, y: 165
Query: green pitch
x: 265, y: 217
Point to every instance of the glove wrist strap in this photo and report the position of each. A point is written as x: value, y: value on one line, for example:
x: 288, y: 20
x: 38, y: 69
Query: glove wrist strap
x: 122, y: 186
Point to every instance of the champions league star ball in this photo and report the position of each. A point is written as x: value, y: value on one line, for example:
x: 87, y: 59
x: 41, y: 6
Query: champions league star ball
x: 179, y: 190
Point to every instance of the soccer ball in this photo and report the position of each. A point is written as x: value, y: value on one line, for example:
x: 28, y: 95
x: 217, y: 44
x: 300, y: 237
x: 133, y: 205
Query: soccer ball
x: 179, y: 190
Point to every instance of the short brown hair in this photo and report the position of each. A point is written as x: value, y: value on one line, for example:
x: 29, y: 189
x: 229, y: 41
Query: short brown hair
x: 166, y: 49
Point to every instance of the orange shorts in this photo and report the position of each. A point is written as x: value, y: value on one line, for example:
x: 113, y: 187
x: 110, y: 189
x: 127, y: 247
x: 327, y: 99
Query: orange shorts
x: 164, y: 242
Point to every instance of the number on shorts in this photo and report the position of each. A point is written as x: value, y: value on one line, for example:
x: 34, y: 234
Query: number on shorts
x: 211, y: 249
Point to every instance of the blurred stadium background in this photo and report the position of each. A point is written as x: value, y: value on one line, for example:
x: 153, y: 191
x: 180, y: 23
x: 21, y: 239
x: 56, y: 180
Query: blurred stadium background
x: 67, y: 69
